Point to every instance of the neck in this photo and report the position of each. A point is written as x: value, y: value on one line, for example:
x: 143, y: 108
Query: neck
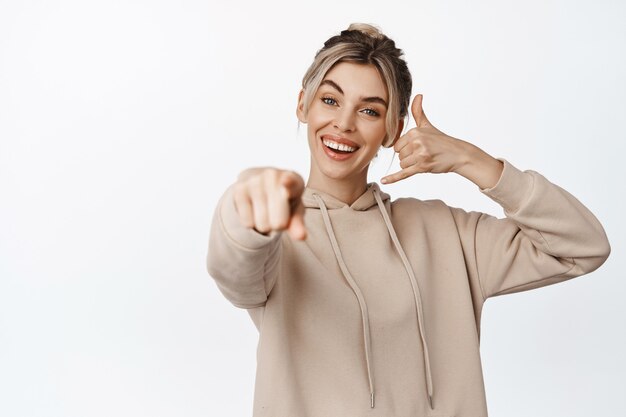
x: 347, y: 190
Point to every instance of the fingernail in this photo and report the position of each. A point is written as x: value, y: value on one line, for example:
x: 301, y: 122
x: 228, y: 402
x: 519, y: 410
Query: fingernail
x: 384, y: 180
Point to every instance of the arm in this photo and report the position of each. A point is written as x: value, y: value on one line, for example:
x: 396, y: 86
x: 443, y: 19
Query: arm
x: 548, y: 236
x: 243, y: 262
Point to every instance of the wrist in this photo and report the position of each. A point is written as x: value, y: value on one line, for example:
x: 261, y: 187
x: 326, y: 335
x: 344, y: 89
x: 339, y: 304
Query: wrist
x: 479, y: 167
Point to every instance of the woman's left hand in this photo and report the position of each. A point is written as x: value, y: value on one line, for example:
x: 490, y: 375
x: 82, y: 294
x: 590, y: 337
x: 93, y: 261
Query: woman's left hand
x: 425, y: 148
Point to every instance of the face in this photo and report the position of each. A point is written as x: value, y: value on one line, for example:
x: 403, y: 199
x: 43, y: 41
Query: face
x: 348, y: 111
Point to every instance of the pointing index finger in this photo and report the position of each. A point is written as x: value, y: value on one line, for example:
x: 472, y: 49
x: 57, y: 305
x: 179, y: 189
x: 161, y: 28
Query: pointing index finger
x: 400, y: 175
x: 293, y: 184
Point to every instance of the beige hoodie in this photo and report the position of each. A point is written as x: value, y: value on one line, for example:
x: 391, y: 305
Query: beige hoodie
x: 377, y: 312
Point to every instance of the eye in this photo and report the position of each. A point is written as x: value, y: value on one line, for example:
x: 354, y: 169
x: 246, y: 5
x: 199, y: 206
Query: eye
x: 328, y: 100
x: 373, y: 112
x: 331, y: 102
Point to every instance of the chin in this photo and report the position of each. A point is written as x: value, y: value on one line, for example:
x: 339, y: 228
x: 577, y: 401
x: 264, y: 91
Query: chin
x: 340, y: 173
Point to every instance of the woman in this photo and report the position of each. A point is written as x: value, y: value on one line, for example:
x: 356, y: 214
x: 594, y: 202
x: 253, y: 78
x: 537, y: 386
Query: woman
x: 368, y: 306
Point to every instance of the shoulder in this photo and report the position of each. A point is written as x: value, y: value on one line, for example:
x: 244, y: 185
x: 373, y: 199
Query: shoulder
x: 408, y: 205
x: 434, y: 209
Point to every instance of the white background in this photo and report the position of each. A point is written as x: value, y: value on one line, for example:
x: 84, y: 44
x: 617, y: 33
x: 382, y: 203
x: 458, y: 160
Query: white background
x: 122, y: 122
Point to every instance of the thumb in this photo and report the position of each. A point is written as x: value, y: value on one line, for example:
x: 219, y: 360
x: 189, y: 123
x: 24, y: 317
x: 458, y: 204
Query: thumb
x: 418, y: 111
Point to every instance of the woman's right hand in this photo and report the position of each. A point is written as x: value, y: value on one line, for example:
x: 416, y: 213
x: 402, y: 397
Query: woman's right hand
x: 269, y: 199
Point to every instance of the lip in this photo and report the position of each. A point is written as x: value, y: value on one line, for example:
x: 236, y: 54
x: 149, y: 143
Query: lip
x: 334, y: 155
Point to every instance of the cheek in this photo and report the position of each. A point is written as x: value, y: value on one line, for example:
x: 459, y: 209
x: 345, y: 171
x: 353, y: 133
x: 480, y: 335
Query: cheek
x: 319, y: 118
x: 378, y: 133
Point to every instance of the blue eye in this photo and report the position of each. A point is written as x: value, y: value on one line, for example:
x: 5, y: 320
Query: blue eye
x: 331, y: 102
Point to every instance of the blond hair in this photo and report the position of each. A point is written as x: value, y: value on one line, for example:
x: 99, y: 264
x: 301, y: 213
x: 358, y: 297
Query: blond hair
x: 366, y: 44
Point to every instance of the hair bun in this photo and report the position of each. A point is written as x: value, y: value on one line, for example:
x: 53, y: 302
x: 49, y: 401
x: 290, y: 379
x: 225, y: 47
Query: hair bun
x: 367, y: 29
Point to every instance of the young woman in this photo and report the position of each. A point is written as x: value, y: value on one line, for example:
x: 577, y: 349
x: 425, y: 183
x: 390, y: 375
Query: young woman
x: 368, y: 306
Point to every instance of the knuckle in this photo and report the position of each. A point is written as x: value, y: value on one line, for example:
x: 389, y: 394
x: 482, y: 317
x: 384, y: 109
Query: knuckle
x: 261, y: 229
x: 280, y: 223
x: 254, y: 192
x: 255, y: 181
x: 240, y: 203
x: 261, y: 225
x: 246, y: 221
x: 269, y: 175
x: 238, y: 190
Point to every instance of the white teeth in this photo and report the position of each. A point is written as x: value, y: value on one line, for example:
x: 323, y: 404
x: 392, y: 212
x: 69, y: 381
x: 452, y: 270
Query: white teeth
x: 338, y: 146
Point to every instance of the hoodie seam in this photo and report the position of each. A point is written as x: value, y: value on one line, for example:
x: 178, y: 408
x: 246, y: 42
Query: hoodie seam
x: 275, y: 277
x: 474, y: 251
x: 551, y: 252
x: 480, y: 284
x: 248, y: 306
x: 526, y: 284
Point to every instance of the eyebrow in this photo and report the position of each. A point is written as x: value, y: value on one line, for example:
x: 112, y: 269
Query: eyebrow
x: 366, y: 99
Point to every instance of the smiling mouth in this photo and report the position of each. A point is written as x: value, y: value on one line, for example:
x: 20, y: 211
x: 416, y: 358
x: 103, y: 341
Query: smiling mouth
x: 338, y: 148
x: 344, y: 153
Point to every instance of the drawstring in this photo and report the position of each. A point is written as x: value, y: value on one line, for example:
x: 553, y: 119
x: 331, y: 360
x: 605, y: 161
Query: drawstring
x: 361, y: 299
x: 416, y: 294
x: 357, y: 292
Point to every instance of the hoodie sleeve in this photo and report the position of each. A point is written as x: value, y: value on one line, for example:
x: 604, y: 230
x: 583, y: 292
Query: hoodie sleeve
x: 548, y: 236
x: 243, y: 262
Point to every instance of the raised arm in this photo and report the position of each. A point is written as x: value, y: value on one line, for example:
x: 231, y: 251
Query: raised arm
x: 548, y: 236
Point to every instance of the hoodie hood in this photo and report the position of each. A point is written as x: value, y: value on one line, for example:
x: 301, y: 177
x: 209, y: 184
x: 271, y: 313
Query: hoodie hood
x: 364, y: 202
x: 373, y: 196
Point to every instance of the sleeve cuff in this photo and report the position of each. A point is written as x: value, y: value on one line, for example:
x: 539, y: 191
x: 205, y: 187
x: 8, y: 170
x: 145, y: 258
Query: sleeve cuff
x: 512, y: 189
x: 245, y: 237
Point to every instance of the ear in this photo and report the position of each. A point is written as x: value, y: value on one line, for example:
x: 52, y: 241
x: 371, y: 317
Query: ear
x: 300, y: 107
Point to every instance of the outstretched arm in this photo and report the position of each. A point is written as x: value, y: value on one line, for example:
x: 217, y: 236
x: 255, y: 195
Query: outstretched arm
x: 244, y: 244
x: 242, y: 261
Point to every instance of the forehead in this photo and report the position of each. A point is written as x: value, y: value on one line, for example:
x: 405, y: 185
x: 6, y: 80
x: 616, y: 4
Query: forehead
x: 357, y: 79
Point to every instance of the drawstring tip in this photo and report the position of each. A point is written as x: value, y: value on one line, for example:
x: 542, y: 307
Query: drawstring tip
x: 372, y: 400
x: 430, y: 400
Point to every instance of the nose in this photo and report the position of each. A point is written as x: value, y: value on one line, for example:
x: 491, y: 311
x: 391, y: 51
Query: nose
x: 344, y: 120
